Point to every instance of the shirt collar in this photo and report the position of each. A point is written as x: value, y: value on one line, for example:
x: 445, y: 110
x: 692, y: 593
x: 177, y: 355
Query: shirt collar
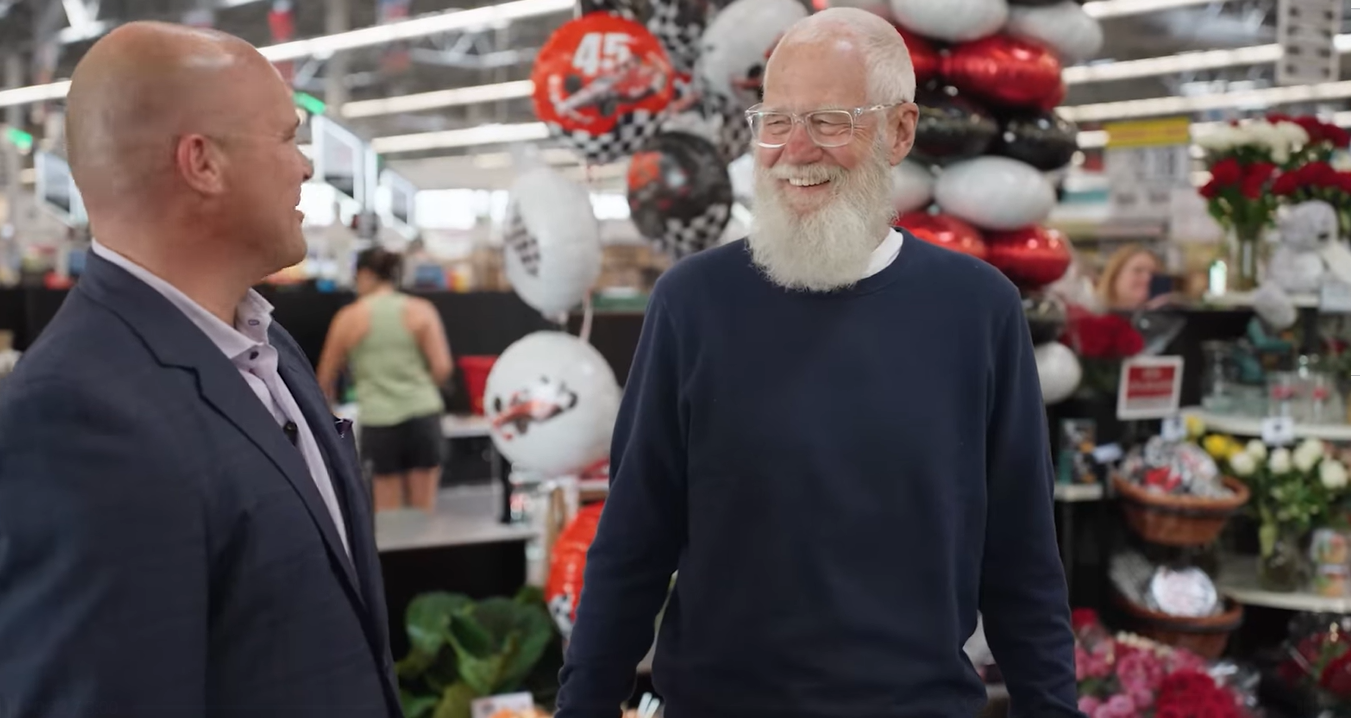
x: 252, y: 314
x: 884, y: 253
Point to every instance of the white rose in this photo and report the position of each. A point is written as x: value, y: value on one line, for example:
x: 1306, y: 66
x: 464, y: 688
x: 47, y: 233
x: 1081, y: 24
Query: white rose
x: 1333, y: 474
x: 1262, y: 134
x: 1296, y: 135
x: 1280, y: 152
x: 1280, y: 461
x: 1243, y: 463
x: 1257, y: 449
x: 1307, y: 454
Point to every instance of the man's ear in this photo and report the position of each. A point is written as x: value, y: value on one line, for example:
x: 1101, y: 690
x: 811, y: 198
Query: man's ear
x: 903, y: 131
x: 200, y: 163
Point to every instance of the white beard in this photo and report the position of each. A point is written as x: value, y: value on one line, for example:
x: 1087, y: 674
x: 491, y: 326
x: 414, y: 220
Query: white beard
x: 829, y: 248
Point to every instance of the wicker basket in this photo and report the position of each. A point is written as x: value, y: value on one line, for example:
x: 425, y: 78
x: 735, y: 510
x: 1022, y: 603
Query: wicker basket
x: 1176, y: 520
x: 1206, y: 636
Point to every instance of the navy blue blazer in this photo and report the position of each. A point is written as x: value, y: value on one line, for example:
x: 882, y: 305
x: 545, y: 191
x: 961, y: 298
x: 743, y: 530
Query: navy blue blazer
x: 163, y: 548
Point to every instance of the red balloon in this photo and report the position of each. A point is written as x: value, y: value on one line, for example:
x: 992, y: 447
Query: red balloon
x: 597, y: 68
x: 925, y: 58
x: 1055, y: 99
x: 946, y: 231
x: 567, y: 569
x: 1004, y: 70
x: 1031, y: 257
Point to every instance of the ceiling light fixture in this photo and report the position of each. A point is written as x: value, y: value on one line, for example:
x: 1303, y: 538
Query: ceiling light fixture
x: 469, y: 137
x: 1177, y: 105
x: 1183, y: 62
x: 438, y: 99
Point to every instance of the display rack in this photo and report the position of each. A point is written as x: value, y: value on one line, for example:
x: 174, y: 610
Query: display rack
x: 1237, y: 580
x: 1077, y: 493
x: 1252, y: 426
x: 463, y: 516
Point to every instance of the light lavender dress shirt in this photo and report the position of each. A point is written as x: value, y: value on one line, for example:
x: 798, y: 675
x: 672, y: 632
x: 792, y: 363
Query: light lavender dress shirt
x: 247, y: 347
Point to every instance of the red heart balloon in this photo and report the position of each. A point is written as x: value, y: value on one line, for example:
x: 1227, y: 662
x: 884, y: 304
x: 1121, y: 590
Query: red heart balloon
x: 1031, y: 257
x: 1004, y: 70
x: 925, y: 58
x: 946, y: 231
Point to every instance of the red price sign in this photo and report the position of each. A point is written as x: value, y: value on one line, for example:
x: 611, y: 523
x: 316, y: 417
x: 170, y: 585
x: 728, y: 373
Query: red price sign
x: 597, y: 68
x: 1150, y: 387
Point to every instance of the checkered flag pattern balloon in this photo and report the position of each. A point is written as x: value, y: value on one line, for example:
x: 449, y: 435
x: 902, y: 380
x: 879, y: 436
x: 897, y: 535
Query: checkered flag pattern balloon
x: 679, y: 24
x: 679, y: 193
x: 602, y: 83
x: 731, y: 135
x: 518, y: 240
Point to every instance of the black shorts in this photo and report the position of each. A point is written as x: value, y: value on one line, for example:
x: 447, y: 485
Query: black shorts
x: 413, y: 444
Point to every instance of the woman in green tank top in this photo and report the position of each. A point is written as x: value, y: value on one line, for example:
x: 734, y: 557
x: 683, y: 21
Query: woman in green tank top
x: 398, y: 357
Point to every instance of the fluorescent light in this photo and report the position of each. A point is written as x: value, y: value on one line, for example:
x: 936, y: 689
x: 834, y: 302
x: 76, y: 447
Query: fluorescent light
x: 476, y: 18
x: 484, y: 135
x: 1177, y: 105
x: 1088, y: 139
x: 547, y: 155
x: 1100, y: 9
x: 1184, y: 62
x: 435, y: 24
x: 437, y: 99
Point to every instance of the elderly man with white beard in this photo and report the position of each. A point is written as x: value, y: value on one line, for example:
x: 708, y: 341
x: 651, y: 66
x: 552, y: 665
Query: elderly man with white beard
x: 833, y: 435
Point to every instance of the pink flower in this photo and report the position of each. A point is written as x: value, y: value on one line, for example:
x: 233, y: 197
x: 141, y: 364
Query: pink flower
x: 1139, y: 671
x: 1142, y: 698
x: 1183, y: 660
x: 1088, y: 704
x: 1120, y: 706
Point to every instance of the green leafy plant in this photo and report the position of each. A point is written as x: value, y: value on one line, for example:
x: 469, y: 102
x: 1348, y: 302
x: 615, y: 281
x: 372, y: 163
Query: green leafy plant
x: 462, y: 650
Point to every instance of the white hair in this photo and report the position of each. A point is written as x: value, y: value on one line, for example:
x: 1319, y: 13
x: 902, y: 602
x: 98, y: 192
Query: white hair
x: 891, y: 76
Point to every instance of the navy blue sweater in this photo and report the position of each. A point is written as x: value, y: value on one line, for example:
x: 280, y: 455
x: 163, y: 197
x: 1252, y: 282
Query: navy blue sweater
x: 842, y: 481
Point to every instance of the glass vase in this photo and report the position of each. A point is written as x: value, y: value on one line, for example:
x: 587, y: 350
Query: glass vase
x: 1243, y: 245
x: 1283, y: 565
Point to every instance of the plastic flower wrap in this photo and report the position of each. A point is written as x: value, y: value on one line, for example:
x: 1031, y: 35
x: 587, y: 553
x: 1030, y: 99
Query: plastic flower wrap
x: 1175, y: 467
x: 1317, y: 658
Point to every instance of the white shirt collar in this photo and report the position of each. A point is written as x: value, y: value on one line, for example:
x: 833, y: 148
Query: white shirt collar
x: 884, y: 253
x: 252, y: 314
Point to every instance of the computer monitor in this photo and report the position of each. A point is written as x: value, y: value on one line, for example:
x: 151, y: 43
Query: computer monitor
x: 342, y: 160
x: 57, y: 190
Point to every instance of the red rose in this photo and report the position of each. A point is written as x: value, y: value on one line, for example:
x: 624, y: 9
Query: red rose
x: 1338, y: 136
x: 1336, y: 677
x: 1314, y: 173
x: 1128, y: 341
x: 1286, y: 184
x: 1227, y: 172
x: 1210, y: 189
x: 1342, y: 181
x: 1313, y: 126
x: 1255, y: 179
x: 1084, y: 618
x: 1276, y: 118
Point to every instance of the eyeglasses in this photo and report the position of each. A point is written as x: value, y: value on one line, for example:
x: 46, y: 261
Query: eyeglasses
x: 826, y: 128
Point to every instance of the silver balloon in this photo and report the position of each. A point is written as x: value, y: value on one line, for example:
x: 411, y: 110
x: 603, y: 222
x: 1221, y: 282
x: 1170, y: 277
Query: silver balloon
x: 913, y: 186
x: 952, y: 21
x: 737, y: 43
x: 1059, y: 371
x: 995, y: 193
x: 1065, y: 28
x: 552, y: 241
x: 881, y: 8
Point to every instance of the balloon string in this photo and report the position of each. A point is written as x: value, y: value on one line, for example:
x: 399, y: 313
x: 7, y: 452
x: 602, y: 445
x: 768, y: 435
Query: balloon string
x: 588, y: 313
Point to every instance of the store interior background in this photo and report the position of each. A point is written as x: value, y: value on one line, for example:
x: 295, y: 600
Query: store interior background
x: 447, y: 113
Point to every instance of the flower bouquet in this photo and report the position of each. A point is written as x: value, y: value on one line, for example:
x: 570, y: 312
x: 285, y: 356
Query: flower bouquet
x: 1293, y: 493
x: 1127, y: 676
x: 1317, y: 180
x: 1102, y: 342
x: 1244, y: 158
x: 1316, y: 662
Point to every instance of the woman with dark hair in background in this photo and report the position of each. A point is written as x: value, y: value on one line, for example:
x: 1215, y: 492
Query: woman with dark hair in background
x: 398, y: 356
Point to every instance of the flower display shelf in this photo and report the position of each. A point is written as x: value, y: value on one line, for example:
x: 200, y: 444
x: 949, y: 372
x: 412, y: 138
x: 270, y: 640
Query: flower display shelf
x: 1251, y: 426
x: 1178, y: 520
x: 1237, y: 580
x: 1246, y: 300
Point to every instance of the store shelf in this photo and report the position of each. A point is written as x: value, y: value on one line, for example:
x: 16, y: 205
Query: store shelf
x: 463, y: 516
x: 1251, y: 426
x: 1245, y: 299
x: 466, y: 426
x: 1073, y: 493
x: 1237, y: 580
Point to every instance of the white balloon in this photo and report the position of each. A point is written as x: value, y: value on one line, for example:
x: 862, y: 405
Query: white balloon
x: 995, y: 193
x: 736, y: 44
x: 881, y: 8
x: 552, y: 241
x: 1059, y: 371
x: 951, y: 21
x: 552, y: 399
x: 1065, y: 28
x: 913, y: 186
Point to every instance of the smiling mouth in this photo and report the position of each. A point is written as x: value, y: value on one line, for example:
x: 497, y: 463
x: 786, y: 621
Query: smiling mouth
x: 800, y: 182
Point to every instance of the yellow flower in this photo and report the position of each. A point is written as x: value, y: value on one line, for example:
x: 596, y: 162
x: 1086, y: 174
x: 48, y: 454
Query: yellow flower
x: 1194, y: 426
x: 1218, y: 446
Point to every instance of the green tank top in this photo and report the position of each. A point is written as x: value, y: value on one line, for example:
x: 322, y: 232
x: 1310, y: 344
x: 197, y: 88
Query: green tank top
x: 392, y: 382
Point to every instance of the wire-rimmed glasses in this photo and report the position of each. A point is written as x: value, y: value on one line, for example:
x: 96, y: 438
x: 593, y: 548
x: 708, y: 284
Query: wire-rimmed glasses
x: 826, y: 128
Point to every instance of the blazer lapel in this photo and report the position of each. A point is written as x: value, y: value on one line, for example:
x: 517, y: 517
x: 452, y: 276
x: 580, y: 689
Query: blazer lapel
x: 177, y: 342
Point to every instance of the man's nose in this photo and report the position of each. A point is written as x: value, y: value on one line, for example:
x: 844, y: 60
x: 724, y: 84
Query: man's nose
x: 800, y: 148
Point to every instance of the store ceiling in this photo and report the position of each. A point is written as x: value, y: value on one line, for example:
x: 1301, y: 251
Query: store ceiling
x: 454, y: 61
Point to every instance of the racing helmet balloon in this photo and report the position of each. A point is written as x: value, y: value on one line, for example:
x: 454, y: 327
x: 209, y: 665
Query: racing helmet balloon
x: 552, y: 241
x: 602, y: 82
x: 679, y: 193
x: 737, y: 44
x: 637, y: 10
x: 552, y: 400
